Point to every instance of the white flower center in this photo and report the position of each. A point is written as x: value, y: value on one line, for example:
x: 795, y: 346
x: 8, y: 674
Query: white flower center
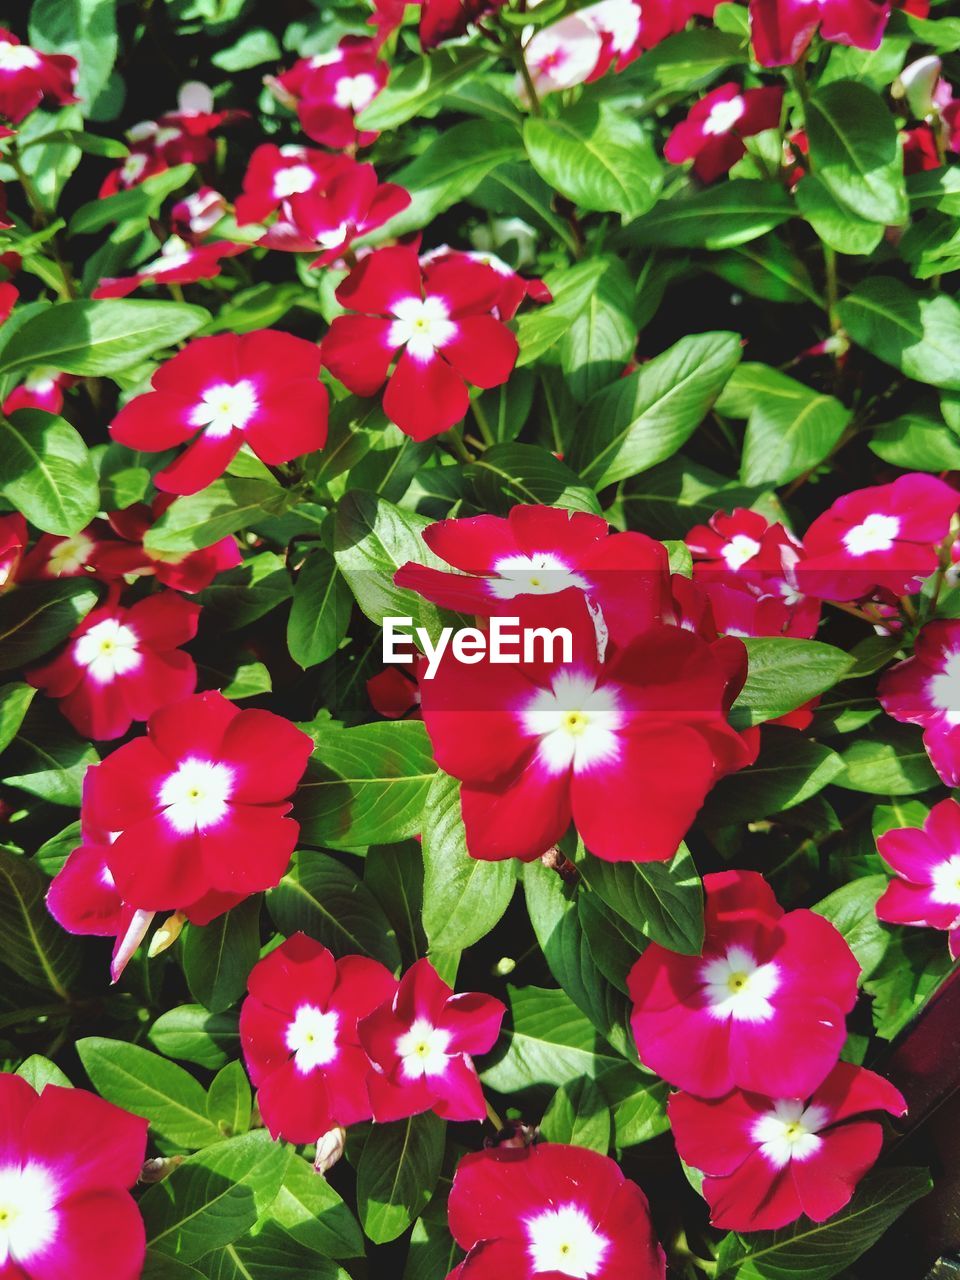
x: 575, y: 721
x: 28, y: 1215
x: 564, y: 1240
x: 423, y: 1050
x: 42, y: 381
x: 109, y: 649
x: 620, y: 19
x: 293, y: 181
x: 724, y: 115
x: 70, y: 555
x: 133, y: 166
x: 945, y: 882
x: 195, y: 796
x: 355, y: 92
x: 739, y: 550
x: 312, y: 1037
x: 176, y: 253
x: 789, y: 1131
x: 422, y: 325
x: 331, y: 236
x: 536, y: 575
x: 226, y: 407
x: 876, y: 533
x: 943, y: 689
x: 738, y: 987
x: 15, y: 57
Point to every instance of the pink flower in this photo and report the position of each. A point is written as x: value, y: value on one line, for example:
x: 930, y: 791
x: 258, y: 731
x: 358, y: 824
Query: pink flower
x: 421, y: 1041
x: 539, y: 552
x: 52, y: 556
x: 199, y: 804
x: 13, y: 542
x: 770, y: 1160
x: 329, y: 90
x: 177, y: 263
x: 882, y: 537
x: 925, y: 690
x: 121, y: 665
x: 550, y: 1211
x: 544, y: 742
x: 394, y: 694
x: 274, y: 174
x: 762, y: 1008
x: 219, y: 393
x: 190, y: 572
x: 197, y: 214
x: 515, y: 288
x: 68, y: 1159
x: 298, y: 1031
x: 43, y: 389
x: 782, y: 29
x: 713, y: 132
x: 439, y: 321
x: 28, y: 76
x: 561, y: 55
x: 927, y: 865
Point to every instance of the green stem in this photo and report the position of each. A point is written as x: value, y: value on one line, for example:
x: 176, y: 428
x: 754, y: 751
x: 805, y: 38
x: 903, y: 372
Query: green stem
x: 494, y: 1118
x: 483, y: 423
x: 67, y: 289
x: 521, y: 63
x: 459, y: 448
x: 552, y: 414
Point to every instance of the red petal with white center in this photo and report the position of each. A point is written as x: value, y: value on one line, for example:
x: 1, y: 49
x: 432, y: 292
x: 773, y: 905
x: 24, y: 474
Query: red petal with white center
x: 202, y: 362
x: 791, y: 1053
x: 755, y: 1198
x: 161, y: 678
x: 459, y: 694
x: 521, y: 821
x: 154, y: 421
x: 457, y: 1092
x: 268, y: 753
x: 362, y: 986
x: 714, y: 1135
x: 474, y: 544
x: 295, y: 1105
x: 125, y: 787
x: 202, y: 462
x: 913, y: 904
x: 97, y: 1235
x: 484, y: 351
x: 155, y: 867
x: 381, y: 280
x: 165, y: 620
x: 17, y: 1101
x: 466, y: 286
x: 357, y: 352
x: 395, y: 1098
x: 249, y: 850
x: 81, y: 898
x: 826, y: 1182
x: 292, y: 421
x: 449, y: 590
x: 685, y: 1045
x: 106, y: 1146
x: 193, y: 727
x: 263, y: 1030
x: 425, y: 397
x: 300, y: 971
x: 850, y: 1090
x: 495, y: 1260
x: 473, y: 1021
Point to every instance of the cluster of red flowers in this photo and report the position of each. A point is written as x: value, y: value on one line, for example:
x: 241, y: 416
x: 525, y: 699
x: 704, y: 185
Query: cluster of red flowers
x: 329, y: 1043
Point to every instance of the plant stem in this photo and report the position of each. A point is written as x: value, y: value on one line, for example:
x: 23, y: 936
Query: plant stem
x: 521, y: 62
x: 459, y: 448
x: 67, y: 288
x: 482, y: 423
x: 494, y: 1119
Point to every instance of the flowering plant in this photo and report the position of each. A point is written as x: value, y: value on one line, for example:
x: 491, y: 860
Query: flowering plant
x: 480, y: 639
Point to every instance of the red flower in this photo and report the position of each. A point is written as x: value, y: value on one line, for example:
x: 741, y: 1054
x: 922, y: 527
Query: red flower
x: 27, y: 76
x: 927, y: 864
x: 422, y: 1041
x: 69, y: 557
x: 550, y: 1211
x: 199, y: 804
x: 42, y: 390
x: 219, y: 393
x: 770, y: 1160
x: 514, y: 287
x: 782, y: 29
x: 68, y: 1159
x: 330, y: 90
x: 882, y: 537
x: 762, y: 1009
x: 298, y: 1030
x: 177, y: 263
x: 596, y: 741
x: 925, y: 690
x: 713, y: 132
x: 394, y: 694
x: 438, y: 319
x: 197, y: 214
x: 920, y: 151
x: 537, y: 552
x: 13, y: 542
x: 274, y: 174
x: 121, y: 665
x: 190, y: 572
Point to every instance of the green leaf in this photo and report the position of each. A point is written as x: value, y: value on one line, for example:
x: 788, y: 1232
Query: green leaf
x: 783, y: 674
x: 789, y: 770
x: 688, y: 60
x: 39, y: 1072
x: 664, y: 900
x: 578, y: 1115
x: 98, y: 337
x: 914, y: 965
x: 463, y: 897
x: 835, y: 224
x: 35, y: 948
x: 855, y: 151
x: 394, y: 875
x: 15, y: 700
x: 193, y: 1034
x: 48, y: 759
x: 84, y: 29
x: 268, y: 1254
x: 230, y: 1102
x: 217, y: 957
x: 47, y: 472
x: 719, y: 217
x: 506, y: 474
x: 672, y: 497
x: 642, y: 1114
x: 419, y: 84
x: 214, y: 1197
x: 643, y: 419
x: 571, y: 289
x: 36, y: 617
x: 139, y: 203
x: 916, y: 442
x: 320, y: 613
x: 853, y: 910
x: 248, y: 592
x: 768, y: 269
x: 917, y: 333
x: 223, y: 507
x: 331, y: 903
x: 313, y: 1213
x: 889, y: 759
x: 398, y: 1171
x: 366, y: 785
x: 372, y: 539
x: 150, y: 1086
x: 596, y: 157
x: 600, y: 343
x: 790, y: 428
x: 819, y: 1251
